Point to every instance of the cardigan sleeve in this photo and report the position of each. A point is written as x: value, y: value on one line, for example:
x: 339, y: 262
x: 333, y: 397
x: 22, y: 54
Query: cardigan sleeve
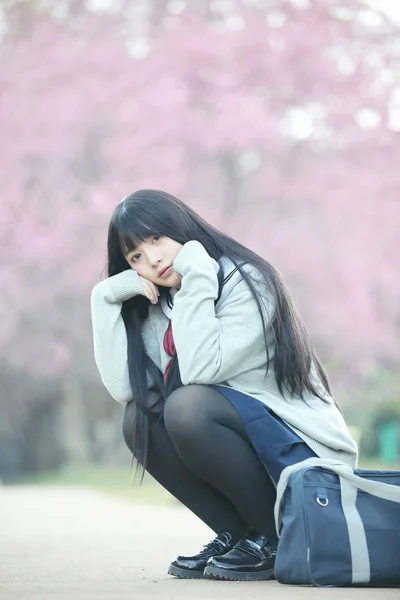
x: 215, y: 346
x: 109, y: 333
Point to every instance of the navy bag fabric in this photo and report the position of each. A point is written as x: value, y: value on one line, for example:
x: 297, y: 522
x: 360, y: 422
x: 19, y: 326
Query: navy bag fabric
x: 324, y: 542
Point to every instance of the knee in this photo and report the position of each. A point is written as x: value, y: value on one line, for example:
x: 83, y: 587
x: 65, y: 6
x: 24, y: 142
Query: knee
x: 183, y: 414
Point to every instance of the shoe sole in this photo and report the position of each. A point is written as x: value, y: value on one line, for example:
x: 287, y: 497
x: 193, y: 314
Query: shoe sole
x: 224, y: 574
x: 184, y: 573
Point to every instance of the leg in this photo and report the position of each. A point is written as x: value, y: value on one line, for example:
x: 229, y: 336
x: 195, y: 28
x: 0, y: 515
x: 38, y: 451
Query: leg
x: 209, y: 437
x: 166, y: 466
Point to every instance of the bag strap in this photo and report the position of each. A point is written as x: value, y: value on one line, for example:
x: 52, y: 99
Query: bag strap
x: 385, y: 491
x: 360, y: 563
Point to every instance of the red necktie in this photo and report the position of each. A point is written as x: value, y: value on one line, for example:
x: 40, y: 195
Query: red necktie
x: 169, y: 347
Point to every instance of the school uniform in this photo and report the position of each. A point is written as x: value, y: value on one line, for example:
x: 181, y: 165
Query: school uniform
x: 220, y: 342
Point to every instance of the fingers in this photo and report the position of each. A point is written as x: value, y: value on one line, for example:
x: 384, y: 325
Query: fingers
x: 150, y: 290
x: 155, y: 294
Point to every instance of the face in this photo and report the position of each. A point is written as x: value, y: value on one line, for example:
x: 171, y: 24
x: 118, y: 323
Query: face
x: 153, y: 259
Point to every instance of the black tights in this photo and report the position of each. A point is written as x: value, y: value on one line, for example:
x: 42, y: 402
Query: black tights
x: 200, y: 452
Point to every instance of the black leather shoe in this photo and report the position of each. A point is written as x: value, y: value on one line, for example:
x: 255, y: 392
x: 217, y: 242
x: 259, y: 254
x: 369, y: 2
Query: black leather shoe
x: 192, y: 567
x: 251, y: 559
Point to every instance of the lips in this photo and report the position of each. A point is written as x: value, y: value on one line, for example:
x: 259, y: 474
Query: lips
x: 164, y: 271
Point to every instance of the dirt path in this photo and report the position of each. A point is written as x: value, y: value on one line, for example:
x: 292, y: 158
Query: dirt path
x: 60, y: 543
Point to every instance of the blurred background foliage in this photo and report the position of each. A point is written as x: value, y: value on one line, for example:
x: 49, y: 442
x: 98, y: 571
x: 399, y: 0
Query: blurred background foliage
x: 277, y: 120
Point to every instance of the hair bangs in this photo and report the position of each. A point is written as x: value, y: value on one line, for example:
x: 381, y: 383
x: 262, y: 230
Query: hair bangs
x: 131, y: 235
x: 131, y: 232
x: 137, y: 218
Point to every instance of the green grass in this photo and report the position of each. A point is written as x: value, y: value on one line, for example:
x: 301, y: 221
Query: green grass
x: 120, y: 481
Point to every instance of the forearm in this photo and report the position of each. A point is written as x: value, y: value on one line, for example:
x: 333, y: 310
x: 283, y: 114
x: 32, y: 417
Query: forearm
x: 109, y: 332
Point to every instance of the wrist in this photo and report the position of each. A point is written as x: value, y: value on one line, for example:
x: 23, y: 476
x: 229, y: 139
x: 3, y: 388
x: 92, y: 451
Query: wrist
x: 125, y: 285
x: 193, y: 256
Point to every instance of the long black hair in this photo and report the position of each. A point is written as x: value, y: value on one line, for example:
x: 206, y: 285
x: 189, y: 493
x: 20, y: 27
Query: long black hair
x: 152, y: 212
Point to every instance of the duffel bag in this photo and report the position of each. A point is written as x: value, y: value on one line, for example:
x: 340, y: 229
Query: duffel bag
x: 338, y: 526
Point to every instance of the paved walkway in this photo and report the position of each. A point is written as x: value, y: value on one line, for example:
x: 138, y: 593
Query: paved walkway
x: 62, y: 543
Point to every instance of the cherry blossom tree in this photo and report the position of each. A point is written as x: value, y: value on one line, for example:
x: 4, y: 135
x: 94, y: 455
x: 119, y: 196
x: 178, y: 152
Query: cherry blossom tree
x: 278, y: 120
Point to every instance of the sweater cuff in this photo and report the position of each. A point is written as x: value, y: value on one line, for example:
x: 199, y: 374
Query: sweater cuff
x: 193, y: 254
x: 125, y: 285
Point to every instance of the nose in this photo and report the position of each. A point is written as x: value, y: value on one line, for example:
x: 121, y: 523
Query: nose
x: 154, y: 256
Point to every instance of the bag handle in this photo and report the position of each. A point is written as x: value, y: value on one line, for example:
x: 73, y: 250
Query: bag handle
x: 385, y: 491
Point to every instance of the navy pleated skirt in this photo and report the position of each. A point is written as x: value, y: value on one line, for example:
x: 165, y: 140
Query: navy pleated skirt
x: 277, y: 445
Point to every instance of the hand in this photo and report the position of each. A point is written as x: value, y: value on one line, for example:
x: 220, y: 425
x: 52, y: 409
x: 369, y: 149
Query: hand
x: 149, y: 290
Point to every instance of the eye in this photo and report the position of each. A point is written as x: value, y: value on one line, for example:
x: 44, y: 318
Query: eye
x: 156, y: 238
x: 135, y: 257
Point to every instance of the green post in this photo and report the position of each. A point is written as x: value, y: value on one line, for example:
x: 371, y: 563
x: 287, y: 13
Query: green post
x: 389, y: 442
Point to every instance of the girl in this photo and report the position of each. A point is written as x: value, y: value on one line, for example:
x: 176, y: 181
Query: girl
x: 199, y: 337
